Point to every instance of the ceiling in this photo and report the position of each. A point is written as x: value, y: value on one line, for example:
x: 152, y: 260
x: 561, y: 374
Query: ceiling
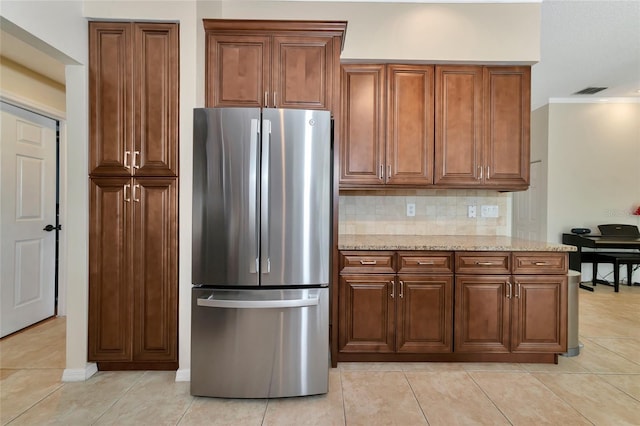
x: 584, y: 43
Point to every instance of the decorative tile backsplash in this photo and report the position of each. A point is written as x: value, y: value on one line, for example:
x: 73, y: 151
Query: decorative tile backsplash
x: 438, y: 212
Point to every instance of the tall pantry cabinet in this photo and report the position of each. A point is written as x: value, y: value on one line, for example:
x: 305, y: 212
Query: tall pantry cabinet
x: 133, y: 170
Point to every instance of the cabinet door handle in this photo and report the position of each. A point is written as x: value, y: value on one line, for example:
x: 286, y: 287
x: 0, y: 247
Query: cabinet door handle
x: 484, y: 263
x: 389, y: 172
x: 368, y: 262
x: 401, y: 289
x: 480, y: 177
x: 266, y: 99
x: 517, y: 290
x: 126, y: 199
x: 136, y: 159
x: 488, y: 172
x: 127, y: 157
x: 275, y: 104
x: 509, y: 288
x: 381, y: 171
x: 420, y: 262
x: 393, y: 288
x: 136, y: 187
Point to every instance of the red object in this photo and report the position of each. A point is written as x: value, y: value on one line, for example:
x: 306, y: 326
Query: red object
x: 637, y: 212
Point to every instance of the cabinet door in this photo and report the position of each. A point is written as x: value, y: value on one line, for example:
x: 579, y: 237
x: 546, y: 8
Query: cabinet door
x: 458, y: 135
x: 507, y: 105
x: 367, y: 313
x: 110, y: 269
x: 482, y: 314
x: 110, y: 98
x: 155, y: 250
x: 425, y: 314
x: 410, y: 127
x: 155, y: 92
x: 539, y: 319
x: 302, y: 72
x: 237, y: 70
x: 362, y: 148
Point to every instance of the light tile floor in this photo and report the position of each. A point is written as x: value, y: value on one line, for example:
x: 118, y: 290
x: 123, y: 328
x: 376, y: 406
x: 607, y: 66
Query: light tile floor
x: 601, y: 386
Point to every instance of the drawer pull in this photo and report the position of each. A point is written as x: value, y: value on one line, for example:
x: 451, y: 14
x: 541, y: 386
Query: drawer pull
x: 420, y: 262
x: 485, y: 263
x: 540, y: 263
x: 368, y: 262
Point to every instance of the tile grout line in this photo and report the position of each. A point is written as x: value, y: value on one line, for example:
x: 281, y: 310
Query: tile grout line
x: 468, y: 373
x: 562, y: 399
x: 344, y: 408
x: 61, y: 385
x: 135, y: 382
x: 426, y: 418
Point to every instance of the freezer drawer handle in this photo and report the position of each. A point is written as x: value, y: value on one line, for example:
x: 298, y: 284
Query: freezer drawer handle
x: 243, y: 304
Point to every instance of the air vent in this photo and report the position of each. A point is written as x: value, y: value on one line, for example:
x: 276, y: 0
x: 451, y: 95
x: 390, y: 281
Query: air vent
x: 590, y: 90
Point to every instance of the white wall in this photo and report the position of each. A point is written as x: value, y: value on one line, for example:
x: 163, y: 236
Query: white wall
x: 417, y: 31
x: 594, y: 165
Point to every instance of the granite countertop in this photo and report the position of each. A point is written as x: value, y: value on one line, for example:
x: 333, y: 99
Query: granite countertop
x: 445, y: 243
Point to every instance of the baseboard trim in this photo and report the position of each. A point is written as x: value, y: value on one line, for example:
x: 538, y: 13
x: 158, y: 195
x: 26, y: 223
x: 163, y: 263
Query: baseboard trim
x: 79, y: 374
x: 183, y: 375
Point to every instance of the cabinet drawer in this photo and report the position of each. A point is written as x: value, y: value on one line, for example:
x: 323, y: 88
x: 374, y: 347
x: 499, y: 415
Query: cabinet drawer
x: 425, y: 262
x: 379, y: 262
x: 483, y: 263
x: 540, y: 263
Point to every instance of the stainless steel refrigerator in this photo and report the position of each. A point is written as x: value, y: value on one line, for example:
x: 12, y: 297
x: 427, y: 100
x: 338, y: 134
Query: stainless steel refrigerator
x: 260, y: 269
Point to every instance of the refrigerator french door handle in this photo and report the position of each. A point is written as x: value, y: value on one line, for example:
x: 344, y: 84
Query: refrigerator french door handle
x: 264, y: 199
x: 254, y: 263
x: 210, y: 302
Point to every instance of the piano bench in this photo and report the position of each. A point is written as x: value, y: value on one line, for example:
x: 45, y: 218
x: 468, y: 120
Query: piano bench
x: 616, y: 259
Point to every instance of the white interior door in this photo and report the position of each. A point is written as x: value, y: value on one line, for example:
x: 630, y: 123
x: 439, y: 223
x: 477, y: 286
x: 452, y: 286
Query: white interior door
x: 27, y: 206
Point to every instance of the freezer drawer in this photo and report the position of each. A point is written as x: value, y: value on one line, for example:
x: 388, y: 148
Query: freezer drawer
x: 259, y: 343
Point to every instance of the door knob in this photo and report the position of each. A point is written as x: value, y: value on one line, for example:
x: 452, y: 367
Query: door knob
x: 50, y: 228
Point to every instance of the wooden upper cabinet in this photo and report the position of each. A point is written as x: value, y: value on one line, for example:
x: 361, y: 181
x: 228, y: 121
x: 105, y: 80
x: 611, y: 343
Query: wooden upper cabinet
x: 507, y: 109
x: 238, y: 68
x: 133, y: 73
x: 458, y: 122
x: 410, y: 125
x: 387, y: 122
x: 272, y: 64
x: 362, y: 149
x: 302, y: 72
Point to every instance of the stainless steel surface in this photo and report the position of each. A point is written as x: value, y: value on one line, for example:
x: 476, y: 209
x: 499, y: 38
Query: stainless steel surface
x: 288, y: 157
x: 265, y: 206
x: 573, y: 283
x: 261, y: 218
x: 299, y: 201
x: 225, y: 168
x: 259, y: 352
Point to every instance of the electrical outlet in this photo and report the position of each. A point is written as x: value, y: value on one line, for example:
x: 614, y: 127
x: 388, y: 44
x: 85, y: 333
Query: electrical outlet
x: 471, y: 211
x: 489, y: 211
x: 411, y: 209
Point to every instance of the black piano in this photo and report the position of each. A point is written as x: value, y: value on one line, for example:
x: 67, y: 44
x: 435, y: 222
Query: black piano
x: 612, y: 237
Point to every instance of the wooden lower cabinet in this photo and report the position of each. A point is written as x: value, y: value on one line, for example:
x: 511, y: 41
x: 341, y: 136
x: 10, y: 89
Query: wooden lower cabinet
x: 367, y: 313
x: 501, y: 313
x: 409, y: 312
x: 133, y: 274
x: 425, y: 314
x: 488, y: 310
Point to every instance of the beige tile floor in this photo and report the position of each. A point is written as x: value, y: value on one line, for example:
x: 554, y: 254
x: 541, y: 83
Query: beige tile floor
x: 601, y: 386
